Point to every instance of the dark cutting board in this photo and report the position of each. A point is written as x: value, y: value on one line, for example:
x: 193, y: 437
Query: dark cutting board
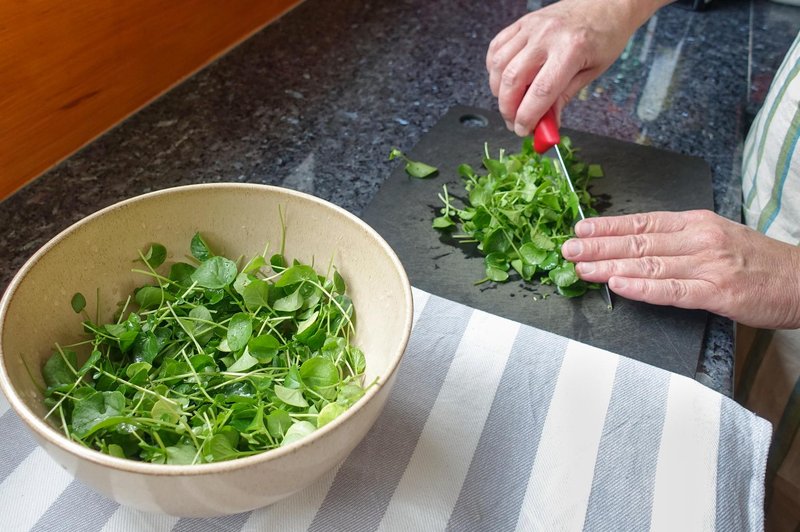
x: 637, y: 179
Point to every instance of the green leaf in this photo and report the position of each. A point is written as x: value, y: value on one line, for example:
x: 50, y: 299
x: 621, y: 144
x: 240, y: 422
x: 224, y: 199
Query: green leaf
x: 60, y: 369
x: 137, y: 372
x: 531, y: 254
x: 296, y: 274
x: 420, y: 170
x: 216, y: 272
x: 255, y: 264
x: 289, y: 303
x: 241, y: 282
x: 278, y: 422
x: 595, y: 170
x: 78, y: 302
x: 416, y: 169
x: 291, y: 396
x: 564, y: 275
x: 550, y: 261
x: 149, y: 297
x: 166, y: 411
x: 263, y: 347
x: 298, y: 431
x: 443, y: 222
x: 243, y: 363
x: 93, y: 359
x: 496, y: 275
x: 181, y: 273
x: 292, y: 379
x: 329, y: 412
x: 319, y: 373
x: 357, y: 360
x: 349, y: 394
x: 222, y: 446
x: 496, y: 241
x: 240, y: 328
x: 200, y: 249
x: 339, y: 284
x: 94, y: 409
x: 183, y: 454
x: 155, y: 256
x: 573, y: 290
x: 278, y: 263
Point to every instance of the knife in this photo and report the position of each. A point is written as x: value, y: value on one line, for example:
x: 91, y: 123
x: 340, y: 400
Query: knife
x: 546, y: 136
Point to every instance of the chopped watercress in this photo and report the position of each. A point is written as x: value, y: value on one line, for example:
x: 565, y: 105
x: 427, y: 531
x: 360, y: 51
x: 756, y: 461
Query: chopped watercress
x: 416, y: 169
x: 210, y: 361
x: 520, y: 213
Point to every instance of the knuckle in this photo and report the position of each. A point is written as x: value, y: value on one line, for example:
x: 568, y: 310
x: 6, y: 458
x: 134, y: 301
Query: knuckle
x: 542, y: 88
x: 510, y: 77
x: 580, y: 39
x: 638, y: 245
x: 496, y: 61
x: 714, y: 238
x: 642, y: 223
x: 677, y: 291
x: 652, y: 267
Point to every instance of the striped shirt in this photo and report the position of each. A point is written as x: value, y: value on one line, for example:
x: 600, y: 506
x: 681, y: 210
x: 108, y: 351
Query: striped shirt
x: 770, y: 168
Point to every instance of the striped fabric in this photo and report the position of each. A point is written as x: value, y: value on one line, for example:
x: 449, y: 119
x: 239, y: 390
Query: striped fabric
x: 491, y: 425
x: 771, y: 160
x: 768, y: 362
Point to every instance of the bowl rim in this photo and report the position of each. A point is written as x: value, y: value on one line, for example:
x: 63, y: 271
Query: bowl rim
x: 51, y: 435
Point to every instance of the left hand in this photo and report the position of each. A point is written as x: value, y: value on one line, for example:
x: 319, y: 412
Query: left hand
x: 692, y: 259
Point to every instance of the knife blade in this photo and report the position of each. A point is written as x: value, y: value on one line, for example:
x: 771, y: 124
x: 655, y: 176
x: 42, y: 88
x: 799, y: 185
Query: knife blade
x: 546, y: 136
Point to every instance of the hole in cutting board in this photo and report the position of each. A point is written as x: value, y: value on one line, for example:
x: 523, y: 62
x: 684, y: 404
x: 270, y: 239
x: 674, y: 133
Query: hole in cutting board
x: 473, y: 120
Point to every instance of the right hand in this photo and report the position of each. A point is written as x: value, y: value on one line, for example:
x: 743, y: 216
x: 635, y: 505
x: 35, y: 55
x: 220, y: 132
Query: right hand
x: 544, y: 58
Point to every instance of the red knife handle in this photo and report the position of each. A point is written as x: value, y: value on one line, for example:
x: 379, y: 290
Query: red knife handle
x: 545, y: 135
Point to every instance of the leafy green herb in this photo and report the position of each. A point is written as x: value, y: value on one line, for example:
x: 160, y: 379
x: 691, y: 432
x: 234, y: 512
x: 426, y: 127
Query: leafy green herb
x: 520, y: 213
x: 78, y: 302
x: 414, y: 168
x: 210, y: 363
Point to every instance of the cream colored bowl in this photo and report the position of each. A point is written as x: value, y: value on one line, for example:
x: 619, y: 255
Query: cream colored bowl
x: 236, y: 219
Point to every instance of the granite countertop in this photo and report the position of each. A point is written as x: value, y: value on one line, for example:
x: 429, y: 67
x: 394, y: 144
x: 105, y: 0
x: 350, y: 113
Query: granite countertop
x: 316, y: 100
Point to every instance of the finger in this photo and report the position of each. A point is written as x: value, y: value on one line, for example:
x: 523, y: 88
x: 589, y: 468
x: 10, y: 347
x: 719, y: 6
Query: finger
x: 546, y: 87
x: 690, y: 294
x: 499, y: 56
x: 651, y: 222
x: 502, y: 38
x: 644, y: 268
x: 516, y: 77
x: 630, y: 247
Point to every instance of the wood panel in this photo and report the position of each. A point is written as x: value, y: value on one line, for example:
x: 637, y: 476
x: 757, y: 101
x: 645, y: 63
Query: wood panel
x: 71, y: 70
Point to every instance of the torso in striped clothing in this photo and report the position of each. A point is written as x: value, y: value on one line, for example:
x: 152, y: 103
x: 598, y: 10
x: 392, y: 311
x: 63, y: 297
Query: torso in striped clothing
x: 771, y: 169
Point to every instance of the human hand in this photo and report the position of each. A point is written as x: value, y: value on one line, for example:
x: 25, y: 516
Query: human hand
x: 544, y: 58
x: 692, y: 259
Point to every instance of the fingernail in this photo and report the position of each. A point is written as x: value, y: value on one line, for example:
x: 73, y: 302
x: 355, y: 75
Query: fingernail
x: 617, y: 282
x: 521, y: 130
x: 584, y: 228
x: 572, y: 248
x: 584, y: 268
x: 510, y: 125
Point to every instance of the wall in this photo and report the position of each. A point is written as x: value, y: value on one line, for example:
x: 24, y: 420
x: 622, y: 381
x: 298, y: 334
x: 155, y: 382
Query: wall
x: 71, y: 70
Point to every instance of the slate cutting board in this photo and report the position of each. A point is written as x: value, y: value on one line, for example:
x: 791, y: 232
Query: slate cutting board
x: 637, y: 179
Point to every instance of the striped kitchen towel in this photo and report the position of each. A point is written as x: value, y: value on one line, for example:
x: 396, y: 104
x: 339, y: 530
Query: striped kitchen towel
x: 491, y: 425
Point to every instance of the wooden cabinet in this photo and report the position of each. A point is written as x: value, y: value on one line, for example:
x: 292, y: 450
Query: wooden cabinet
x: 71, y: 70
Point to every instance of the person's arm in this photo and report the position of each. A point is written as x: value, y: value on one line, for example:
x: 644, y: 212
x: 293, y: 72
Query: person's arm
x: 547, y: 56
x: 692, y: 259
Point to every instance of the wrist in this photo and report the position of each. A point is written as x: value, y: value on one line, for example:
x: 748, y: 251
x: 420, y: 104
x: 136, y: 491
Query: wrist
x: 637, y: 12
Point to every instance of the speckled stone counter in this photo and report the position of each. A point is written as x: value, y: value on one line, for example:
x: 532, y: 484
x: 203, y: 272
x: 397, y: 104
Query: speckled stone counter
x: 316, y: 100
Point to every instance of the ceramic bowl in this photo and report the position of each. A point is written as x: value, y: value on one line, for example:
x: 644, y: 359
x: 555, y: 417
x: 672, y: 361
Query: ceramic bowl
x: 95, y: 254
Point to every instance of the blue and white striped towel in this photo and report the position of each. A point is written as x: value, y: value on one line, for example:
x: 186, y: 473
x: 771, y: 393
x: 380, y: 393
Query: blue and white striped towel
x: 491, y: 425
